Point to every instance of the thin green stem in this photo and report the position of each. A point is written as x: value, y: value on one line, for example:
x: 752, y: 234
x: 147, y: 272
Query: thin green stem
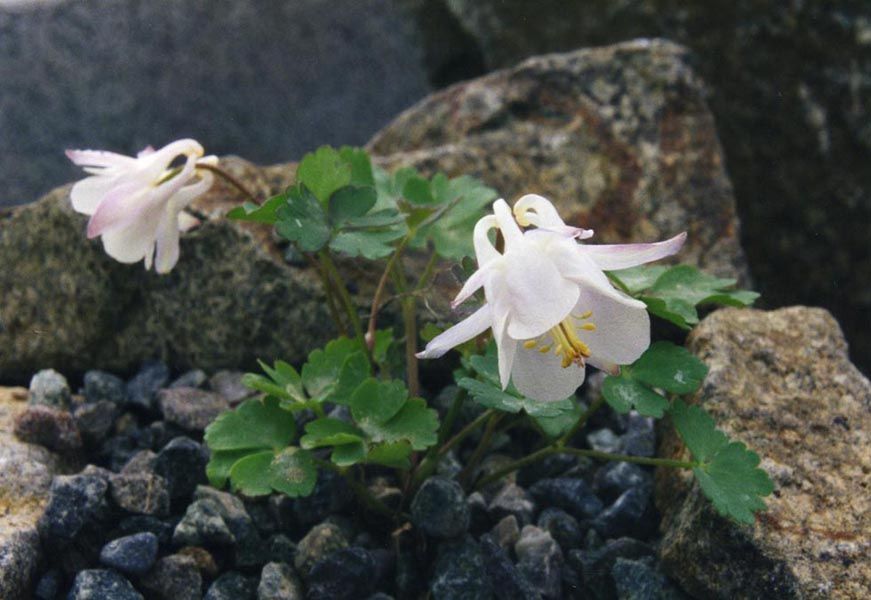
x: 229, y: 179
x: 377, y: 299
x: 361, y: 491
x: 428, y: 271
x: 329, y: 292
x: 483, y: 444
x: 453, y: 411
x: 582, y: 420
x: 409, y: 322
x: 429, y: 464
x: 604, y: 456
x: 344, y: 295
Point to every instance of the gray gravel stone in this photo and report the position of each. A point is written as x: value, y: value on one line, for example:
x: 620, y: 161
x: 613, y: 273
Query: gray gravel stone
x: 50, y: 427
x: 568, y: 493
x: 439, y: 508
x: 182, y: 462
x: 143, y: 387
x: 141, y: 493
x: 457, y: 574
x: 174, y: 577
x: 75, y: 501
x: 540, y: 560
x: 100, y: 386
x: 50, y: 388
x: 345, y: 574
x: 94, y: 420
x: 132, y: 554
x: 194, y: 378
x: 278, y: 581
x: 190, y: 408
x: 229, y: 385
x: 318, y: 543
x: 232, y: 586
x: 513, y: 500
x: 202, y: 525
x: 508, y: 582
x: 100, y: 584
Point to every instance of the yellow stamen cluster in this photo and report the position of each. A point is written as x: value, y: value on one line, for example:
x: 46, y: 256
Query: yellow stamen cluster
x: 566, y: 342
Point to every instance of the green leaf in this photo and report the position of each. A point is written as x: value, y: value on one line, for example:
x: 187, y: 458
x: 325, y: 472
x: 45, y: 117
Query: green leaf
x: 416, y: 191
x: 323, y: 172
x: 414, y: 423
x: 254, y: 424
x: 727, y: 472
x: 250, y: 475
x: 678, y: 311
x: 303, y: 220
x: 282, y: 381
x: 323, y: 373
x: 354, y: 370
x: 637, y: 279
x: 350, y: 202
x: 558, y: 424
x: 259, y: 213
x: 622, y: 393
x: 382, y: 345
x: 396, y: 455
x: 220, y: 463
x: 293, y: 472
x: 371, y: 245
x: 672, y: 368
x: 375, y: 402
x: 388, y: 217
x: 361, y: 165
x: 348, y: 454
x: 492, y: 396
x: 327, y: 431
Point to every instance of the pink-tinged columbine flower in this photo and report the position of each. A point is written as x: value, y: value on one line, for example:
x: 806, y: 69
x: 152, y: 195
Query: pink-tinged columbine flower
x: 551, y: 307
x: 136, y: 204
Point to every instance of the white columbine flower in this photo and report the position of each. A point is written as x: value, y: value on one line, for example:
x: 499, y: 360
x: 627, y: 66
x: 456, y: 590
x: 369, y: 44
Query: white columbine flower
x: 136, y: 204
x: 550, y: 306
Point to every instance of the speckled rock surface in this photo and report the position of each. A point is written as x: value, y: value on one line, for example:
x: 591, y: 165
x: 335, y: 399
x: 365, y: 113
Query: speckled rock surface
x: 620, y: 138
x: 780, y: 382
x: 26, y: 472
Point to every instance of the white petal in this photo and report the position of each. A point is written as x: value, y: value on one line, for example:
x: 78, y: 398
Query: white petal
x: 622, y: 331
x: 187, y: 221
x: 154, y: 164
x: 470, y: 327
x: 187, y: 194
x: 87, y: 194
x: 510, y: 231
x: 506, y: 347
x: 133, y: 243
x: 120, y: 207
x: 533, y: 209
x: 484, y: 250
x: 539, y: 297
x: 610, y: 257
x: 576, y: 265
x: 100, y: 158
x: 476, y: 281
x: 542, y: 377
x: 167, y: 240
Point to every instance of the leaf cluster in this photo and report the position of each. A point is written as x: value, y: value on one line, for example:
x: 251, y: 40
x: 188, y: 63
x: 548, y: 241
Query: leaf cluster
x: 251, y: 445
x: 342, y: 202
x: 674, y: 293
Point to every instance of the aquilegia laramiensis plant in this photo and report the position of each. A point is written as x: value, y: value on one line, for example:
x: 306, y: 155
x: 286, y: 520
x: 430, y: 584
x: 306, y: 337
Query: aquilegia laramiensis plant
x: 549, y: 303
x: 554, y: 304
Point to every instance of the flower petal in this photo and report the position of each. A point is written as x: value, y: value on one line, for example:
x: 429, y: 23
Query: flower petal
x: 622, y: 324
x: 506, y: 347
x: 167, y: 240
x: 539, y: 297
x: 533, y: 209
x: 153, y: 165
x: 99, y: 158
x: 87, y: 194
x: 610, y: 257
x: 475, y: 324
x: 484, y: 250
x: 510, y: 231
x: 121, y: 206
x: 133, y: 243
x: 540, y: 376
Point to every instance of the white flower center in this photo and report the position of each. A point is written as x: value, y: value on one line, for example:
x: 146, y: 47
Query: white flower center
x: 565, y: 341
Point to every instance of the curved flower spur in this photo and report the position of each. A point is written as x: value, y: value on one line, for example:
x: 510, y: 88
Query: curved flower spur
x: 136, y: 204
x: 551, y: 307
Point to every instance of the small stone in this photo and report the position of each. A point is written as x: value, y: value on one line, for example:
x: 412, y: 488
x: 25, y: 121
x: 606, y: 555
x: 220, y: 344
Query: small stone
x: 141, y: 462
x: 190, y: 408
x: 100, y: 584
x: 615, y: 478
x: 449, y: 466
x: 458, y: 572
x: 203, y: 525
x: 49, y: 388
x: 570, y: 494
x: 513, y: 500
x: 638, y: 580
x: 540, y: 559
x: 479, y: 518
x: 140, y: 493
x: 439, y: 508
x: 330, y: 496
x: 632, y: 514
x: 281, y: 548
x: 75, y: 501
x: 552, y: 466
x: 161, y: 433
x: 203, y: 559
x: 278, y: 581
x: 563, y: 527
x: 232, y: 586
x: 508, y: 582
x: 343, y: 575
x: 192, y: 379
x: 143, y: 387
x: 145, y: 523
x: 174, y: 577
x: 104, y: 387
x: 133, y: 554
x: 48, y: 586
x: 250, y: 550
x: 595, y: 565
x: 117, y: 449
x: 640, y: 437
x: 182, y: 462
x: 50, y: 427
x: 318, y: 543
x: 506, y: 532
x: 229, y: 385
x: 604, y: 440
x: 94, y: 420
